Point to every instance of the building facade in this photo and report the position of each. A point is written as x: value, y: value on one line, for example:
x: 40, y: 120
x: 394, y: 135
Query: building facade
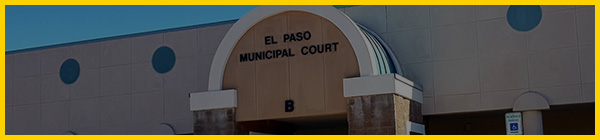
x: 319, y: 70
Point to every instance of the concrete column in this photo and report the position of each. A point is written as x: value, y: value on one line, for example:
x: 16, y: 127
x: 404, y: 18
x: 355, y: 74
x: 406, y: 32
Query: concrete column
x: 532, y: 122
x: 531, y: 105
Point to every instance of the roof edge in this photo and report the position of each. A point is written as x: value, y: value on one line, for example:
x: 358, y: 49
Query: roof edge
x: 137, y: 34
x: 123, y: 36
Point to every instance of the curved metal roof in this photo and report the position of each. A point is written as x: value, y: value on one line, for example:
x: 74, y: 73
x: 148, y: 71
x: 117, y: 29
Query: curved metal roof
x: 386, y: 61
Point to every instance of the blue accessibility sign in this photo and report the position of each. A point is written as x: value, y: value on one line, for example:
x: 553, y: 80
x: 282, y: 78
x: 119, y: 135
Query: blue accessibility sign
x: 514, y: 126
x: 513, y: 123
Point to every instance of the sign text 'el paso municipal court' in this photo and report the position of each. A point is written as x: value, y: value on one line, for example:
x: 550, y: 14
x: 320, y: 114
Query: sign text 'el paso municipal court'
x: 281, y: 53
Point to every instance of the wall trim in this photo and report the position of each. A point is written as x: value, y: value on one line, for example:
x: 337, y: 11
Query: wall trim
x: 213, y: 100
x: 382, y: 84
x: 414, y: 127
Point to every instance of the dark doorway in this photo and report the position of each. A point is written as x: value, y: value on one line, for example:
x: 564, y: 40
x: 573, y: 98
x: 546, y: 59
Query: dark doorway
x: 319, y: 125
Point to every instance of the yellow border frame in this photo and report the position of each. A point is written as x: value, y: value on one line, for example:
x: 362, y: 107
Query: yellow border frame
x: 292, y: 2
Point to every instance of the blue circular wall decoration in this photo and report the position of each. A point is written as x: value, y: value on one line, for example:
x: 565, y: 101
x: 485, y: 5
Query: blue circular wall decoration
x: 163, y: 59
x: 524, y: 17
x: 69, y: 71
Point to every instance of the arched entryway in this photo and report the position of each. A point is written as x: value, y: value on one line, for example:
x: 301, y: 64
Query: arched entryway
x: 284, y: 66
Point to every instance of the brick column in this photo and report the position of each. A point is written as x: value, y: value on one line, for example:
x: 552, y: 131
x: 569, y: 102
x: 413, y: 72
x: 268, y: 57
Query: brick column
x: 216, y: 122
x: 222, y: 122
x: 383, y: 114
x: 383, y: 105
x: 214, y: 113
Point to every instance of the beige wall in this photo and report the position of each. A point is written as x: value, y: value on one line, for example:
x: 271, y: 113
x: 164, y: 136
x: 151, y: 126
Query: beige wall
x: 313, y: 81
x: 469, y: 59
x: 118, y: 91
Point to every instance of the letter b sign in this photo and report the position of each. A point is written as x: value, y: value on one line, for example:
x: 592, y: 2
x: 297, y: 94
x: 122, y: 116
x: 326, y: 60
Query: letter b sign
x: 289, y: 105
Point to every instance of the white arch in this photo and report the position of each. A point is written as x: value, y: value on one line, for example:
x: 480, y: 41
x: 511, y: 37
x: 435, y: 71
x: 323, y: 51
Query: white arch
x: 364, y: 54
x: 530, y: 101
